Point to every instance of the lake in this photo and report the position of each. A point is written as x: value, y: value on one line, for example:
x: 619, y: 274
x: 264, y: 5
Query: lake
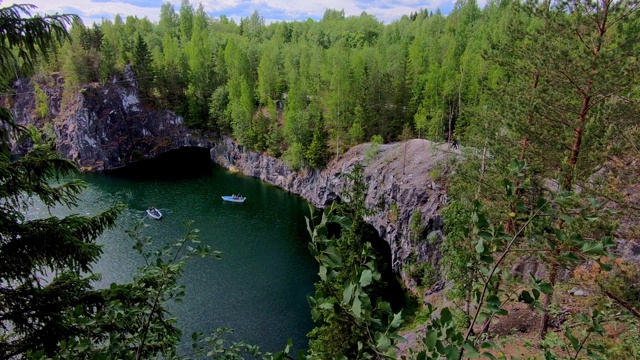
x: 260, y: 285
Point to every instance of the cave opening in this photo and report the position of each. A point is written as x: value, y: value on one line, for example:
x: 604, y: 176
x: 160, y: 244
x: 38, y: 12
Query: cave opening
x: 185, y: 162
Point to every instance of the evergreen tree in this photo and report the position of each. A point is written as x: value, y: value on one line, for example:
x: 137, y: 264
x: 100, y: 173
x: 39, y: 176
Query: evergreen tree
x: 186, y: 21
x: 34, y: 306
x: 318, y: 151
x: 25, y: 38
x: 143, y: 65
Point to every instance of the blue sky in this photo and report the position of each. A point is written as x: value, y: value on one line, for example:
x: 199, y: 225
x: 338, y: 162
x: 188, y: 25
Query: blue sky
x: 272, y: 10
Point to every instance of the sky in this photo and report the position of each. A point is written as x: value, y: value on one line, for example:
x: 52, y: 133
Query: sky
x: 386, y: 11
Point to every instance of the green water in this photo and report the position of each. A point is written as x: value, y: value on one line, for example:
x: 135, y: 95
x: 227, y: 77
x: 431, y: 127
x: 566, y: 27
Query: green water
x: 258, y: 288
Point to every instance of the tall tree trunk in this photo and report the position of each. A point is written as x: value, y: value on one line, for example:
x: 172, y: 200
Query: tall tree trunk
x: 574, y: 157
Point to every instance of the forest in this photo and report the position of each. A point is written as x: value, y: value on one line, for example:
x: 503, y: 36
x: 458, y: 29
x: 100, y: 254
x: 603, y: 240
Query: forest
x: 289, y: 88
x: 541, y: 96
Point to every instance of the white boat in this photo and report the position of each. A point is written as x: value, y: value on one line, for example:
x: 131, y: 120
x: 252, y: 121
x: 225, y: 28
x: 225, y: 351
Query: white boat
x: 234, y: 198
x: 154, y: 213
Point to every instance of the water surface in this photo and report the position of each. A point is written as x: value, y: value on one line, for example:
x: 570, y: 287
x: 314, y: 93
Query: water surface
x: 260, y: 285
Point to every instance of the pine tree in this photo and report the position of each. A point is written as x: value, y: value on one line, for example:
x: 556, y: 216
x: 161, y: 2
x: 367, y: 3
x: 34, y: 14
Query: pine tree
x: 32, y: 309
x: 142, y: 64
x: 570, y: 90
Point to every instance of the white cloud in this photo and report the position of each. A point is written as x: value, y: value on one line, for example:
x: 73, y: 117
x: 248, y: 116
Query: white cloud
x: 385, y: 10
x: 91, y: 11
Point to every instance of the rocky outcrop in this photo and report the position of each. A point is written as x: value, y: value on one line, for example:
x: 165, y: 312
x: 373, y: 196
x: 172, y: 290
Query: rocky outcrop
x: 398, y: 177
x: 103, y: 126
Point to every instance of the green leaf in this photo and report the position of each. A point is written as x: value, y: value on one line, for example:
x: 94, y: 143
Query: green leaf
x: 577, y: 239
x: 493, y: 300
x: 546, y: 288
x: 487, y: 345
x: 326, y: 305
x: 346, y: 294
x: 365, y: 278
x: 526, y: 297
x: 334, y: 255
x: 383, y: 343
x: 489, y: 355
x: 356, y: 308
x: 471, y: 351
x: 480, y: 246
x: 430, y: 340
x: 508, y: 186
x: 536, y: 293
x: 323, y: 273
x: 568, y: 219
x: 344, y: 221
x: 452, y: 352
x: 397, y: 320
x: 593, y: 248
x: 445, y: 316
x: 486, y: 235
x: 575, y: 343
x: 570, y: 257
x: 604, y: 266
x: 384, y: 306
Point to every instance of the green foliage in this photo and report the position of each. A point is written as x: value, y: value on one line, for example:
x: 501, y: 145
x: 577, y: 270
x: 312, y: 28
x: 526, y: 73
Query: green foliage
x: 25, y: 38
x: 142, y: 64
x: 317, y: 154
x: 35, y: 312
x: 356, y: 133
x: 294, y: 156
x: 355, y: 321
x: 459, y: 258
x: 80, y: 57
x: 364, y: 77
x: 217, y: 110
x: 372, y: 151
x: 133, y: 321
x: 573, y: 343
x: 42, y: 101
x: 356, y: 194
x: 394, y: 213
x: 65, y: 246
x: 492, y: 247
x: 62, y: 316
x: 505, y: 79
x: 416, y: 226
x: 355, y: 325
x: 424, y: 274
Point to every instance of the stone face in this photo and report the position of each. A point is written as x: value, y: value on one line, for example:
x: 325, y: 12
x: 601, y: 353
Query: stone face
x: 105, y: 126
x: 398, y: 186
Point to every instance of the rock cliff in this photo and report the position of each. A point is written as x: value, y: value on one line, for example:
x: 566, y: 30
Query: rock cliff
x: 102, y: 126
x: 398, y: 177
x: 105, y: 126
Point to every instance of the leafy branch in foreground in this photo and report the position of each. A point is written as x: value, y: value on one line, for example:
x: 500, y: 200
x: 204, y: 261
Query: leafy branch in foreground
x: 343, y: 304
x: 23, y: 39
x: 132, y: 322
x: 575, y: 243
